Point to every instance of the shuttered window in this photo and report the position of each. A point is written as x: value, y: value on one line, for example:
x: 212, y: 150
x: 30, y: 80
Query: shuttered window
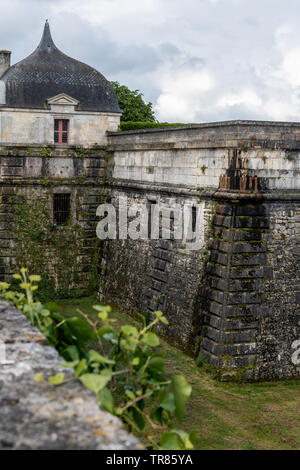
x: 61, y: 131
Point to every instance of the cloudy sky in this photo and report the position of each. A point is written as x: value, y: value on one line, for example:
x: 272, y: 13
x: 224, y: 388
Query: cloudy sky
x: 195, y: 60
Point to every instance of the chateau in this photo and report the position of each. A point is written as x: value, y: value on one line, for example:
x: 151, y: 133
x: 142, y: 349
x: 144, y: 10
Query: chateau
x: 235, y: 301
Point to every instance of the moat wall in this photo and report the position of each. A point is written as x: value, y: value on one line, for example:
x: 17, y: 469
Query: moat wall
x: 235, y: 301
x: 66, y: 255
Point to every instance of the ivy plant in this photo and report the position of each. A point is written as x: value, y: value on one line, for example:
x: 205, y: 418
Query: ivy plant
x: 125, y: 367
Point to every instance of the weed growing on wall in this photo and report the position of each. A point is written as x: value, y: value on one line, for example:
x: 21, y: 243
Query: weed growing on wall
x: 123, y: 369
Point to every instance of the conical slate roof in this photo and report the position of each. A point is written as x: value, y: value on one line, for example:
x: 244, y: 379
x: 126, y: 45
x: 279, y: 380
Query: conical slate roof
x: 48, y: 72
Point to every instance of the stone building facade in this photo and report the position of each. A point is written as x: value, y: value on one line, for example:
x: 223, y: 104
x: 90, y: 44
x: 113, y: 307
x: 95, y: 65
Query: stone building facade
x: 233, y: 301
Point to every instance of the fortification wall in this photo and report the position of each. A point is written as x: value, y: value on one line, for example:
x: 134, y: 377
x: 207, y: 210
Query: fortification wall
x: 198, y: 156
x: 65, y: 254
x: 235, y: 300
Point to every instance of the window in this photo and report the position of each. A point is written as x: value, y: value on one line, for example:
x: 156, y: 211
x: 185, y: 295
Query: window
x: 150, y: 205
x: 61, y: 208
x: 61, y: 131
x: 192, y: 228
x: 194, y: 218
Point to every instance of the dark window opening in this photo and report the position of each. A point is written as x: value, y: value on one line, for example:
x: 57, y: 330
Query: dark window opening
x: 150, y: 204
x: 194, y: 218
x: 61, y: 131
x: 61, y: 208
x: 192, y: 225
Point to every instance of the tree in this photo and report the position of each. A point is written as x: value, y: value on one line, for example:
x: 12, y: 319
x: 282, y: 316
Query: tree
x: 132, y: 104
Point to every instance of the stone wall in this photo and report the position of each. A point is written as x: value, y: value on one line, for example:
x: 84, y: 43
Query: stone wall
x: 148, y: 275
x: 66, y: 255
x: 34, y: 416
x: 235, y: 301
x: 198, y: 156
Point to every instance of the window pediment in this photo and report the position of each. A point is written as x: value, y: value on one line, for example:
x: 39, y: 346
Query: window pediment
x: 62, y: 100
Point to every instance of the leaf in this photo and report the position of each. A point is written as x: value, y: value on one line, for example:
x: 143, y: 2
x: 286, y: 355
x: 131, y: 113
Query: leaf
x: 102, y: 308
x: 139, y: 419
x: 157, y: 363
x: 25, y: 285
x: 81, y: 367
x: 45, y: 313
x: 111, y: 337
x: 128, y: 330
x: 51, y: 334
x: 184, y: 436
x: 34, y: 278
x: 158, y: 314
x: 170, y: 441
x: 39, y: 377
x: 57, y: 379
x: 106, y: 400
x: 156, y: 415
x: 103, y: 330
x: 72, y: 353
x: 56, y: 316
x: 81, y: 330
x: 69, y: 364
x: 52, y: 307
x: 135, y: 361
x: 96, y: 357
x: 168, y: 402
x: 4, y: 285
x: 94, y: 382
x: 151, y: 339
x: 103, y: 316
x: 193, y: 437
x: 129, y: 394
x: 182, y: 391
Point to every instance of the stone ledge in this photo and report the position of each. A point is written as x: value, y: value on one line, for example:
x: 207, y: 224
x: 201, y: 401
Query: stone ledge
x: 35, y: 416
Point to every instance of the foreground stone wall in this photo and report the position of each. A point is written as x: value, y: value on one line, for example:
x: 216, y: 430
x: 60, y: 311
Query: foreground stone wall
x: 38, y: 417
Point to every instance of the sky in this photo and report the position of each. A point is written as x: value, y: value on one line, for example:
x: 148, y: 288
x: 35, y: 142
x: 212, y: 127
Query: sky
x: 195, y: 60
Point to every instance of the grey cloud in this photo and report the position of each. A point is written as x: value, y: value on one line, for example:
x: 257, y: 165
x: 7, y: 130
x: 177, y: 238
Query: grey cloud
x: 233, y: 40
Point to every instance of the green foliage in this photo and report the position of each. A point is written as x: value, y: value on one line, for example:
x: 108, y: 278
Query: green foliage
x: 132, y: 104
x: 135, y: 125
x: 125, y: 371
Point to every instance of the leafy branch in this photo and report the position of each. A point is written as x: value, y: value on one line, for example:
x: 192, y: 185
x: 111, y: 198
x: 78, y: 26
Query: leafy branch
x: 126, y: 370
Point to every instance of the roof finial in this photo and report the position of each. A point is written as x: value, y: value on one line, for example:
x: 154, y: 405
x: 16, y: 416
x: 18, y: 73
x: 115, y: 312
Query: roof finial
x: 46, y: 41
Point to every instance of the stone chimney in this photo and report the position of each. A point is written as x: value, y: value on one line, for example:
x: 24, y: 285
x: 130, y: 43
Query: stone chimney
x: 4, y: 61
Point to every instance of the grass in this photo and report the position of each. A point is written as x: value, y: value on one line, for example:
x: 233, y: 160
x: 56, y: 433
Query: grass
x: 225, y: 416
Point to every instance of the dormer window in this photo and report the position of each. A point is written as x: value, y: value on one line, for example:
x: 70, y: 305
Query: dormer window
x: 61, y: 131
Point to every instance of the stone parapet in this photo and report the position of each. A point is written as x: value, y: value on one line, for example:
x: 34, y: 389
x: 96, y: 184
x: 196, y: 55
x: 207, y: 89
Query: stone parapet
x: 34, y: 416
